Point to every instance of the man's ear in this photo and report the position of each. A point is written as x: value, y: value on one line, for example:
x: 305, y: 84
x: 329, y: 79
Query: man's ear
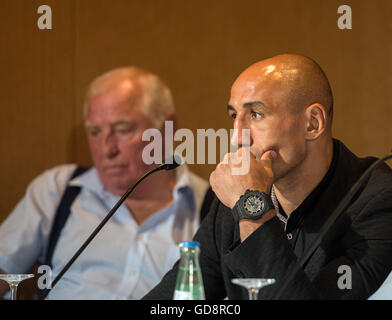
x: 315, y: 120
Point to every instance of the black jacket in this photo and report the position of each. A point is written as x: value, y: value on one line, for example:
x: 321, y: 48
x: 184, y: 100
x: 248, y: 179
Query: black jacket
x: 360, y: 239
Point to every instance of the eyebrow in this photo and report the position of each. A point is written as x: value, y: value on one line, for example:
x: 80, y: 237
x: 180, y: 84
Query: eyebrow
x: 249, y: 105
x: 230, y: 108
x: 253, y: 104
x: 115, y: 123
x: 120, y: 122
x: 89, y: 125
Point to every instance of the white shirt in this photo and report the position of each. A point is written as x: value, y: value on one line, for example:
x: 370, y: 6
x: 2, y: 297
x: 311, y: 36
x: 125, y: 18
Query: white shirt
x: 385, y: 290
x: 124, y: 261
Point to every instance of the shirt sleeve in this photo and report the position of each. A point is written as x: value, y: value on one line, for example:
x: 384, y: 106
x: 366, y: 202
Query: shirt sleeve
x: 24, y: 234
x: 364, y: 265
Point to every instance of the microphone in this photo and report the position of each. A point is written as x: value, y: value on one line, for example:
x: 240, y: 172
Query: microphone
x: 343, y: 205
x: 170, y: 163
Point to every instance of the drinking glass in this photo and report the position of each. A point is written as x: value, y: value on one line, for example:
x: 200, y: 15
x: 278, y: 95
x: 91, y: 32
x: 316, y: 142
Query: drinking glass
x: 13, y: 281
x: 253, y: 285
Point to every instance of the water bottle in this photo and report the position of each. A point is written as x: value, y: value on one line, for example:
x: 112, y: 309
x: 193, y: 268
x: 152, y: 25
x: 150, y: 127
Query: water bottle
x: 189, y: 284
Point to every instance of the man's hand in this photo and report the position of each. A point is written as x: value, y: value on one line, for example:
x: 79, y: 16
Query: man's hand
x: 229, y: 188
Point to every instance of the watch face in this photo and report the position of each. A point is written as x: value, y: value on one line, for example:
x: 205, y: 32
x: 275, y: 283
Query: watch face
x: 253, y: 204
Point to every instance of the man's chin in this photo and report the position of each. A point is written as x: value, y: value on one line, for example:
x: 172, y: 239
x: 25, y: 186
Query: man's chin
x: 118, y: 187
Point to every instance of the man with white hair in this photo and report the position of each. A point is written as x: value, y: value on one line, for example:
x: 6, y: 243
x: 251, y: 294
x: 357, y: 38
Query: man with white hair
x: 140, y: 242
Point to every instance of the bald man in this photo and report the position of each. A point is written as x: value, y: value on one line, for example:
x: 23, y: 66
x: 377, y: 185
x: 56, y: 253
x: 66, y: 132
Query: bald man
x: 261, y: 222
x: 139, y: 244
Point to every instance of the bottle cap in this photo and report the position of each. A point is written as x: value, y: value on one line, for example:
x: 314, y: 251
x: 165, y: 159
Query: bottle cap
x: 188, y: 244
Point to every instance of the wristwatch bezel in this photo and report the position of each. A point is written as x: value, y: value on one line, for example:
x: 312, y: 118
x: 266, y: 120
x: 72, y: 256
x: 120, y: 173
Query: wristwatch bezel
x: 243, y: 213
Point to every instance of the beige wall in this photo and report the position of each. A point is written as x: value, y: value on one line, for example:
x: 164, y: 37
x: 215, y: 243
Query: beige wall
x: 198, y: 48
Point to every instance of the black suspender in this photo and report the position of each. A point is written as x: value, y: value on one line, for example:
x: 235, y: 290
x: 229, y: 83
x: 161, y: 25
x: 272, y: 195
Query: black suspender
x: 62, y: 213
x: 64, y: 210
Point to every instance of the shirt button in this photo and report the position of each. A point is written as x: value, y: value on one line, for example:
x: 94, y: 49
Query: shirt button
x: 289, y: 236
x: 239, y: 274
x: 131, y: 272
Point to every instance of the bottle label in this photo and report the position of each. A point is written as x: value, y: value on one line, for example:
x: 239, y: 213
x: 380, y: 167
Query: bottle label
x: 182, y: 295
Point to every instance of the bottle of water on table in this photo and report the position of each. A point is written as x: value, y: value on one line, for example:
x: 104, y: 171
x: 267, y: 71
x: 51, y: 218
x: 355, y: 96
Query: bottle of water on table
x: 189, y: 284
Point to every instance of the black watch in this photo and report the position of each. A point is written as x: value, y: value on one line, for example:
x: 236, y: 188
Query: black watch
x: 252, y: 205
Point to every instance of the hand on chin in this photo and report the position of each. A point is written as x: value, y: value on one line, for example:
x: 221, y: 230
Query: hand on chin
x: 255, y: 175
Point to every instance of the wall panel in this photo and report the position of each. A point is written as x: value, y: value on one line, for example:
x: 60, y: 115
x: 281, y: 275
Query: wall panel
x: 37, y: 93
x: 198, y: 48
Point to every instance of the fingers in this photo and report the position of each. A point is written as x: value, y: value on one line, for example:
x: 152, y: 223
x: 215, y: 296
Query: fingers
x: 243, y: 160
x: 241, y: 156
x: 266, y: 159
x: 269, y: 155
x: 246, y: 154
x: 244, y: 151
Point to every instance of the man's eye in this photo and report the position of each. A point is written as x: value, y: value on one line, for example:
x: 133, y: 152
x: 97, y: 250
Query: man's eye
x: 93, y: 132
x: 123, y: 131
x: 233, y: 115
x: 256, y: 115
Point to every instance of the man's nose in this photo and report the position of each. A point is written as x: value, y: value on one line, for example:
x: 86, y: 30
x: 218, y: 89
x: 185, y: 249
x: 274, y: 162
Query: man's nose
x: 241, y: 134
x: 110, y: 146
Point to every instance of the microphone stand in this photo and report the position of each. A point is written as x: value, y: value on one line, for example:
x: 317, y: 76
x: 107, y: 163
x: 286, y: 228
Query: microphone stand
x: 332, y: 218
x: 164, y: 166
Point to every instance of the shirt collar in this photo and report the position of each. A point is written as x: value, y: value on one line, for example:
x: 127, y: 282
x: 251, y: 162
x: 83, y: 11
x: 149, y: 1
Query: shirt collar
x: 183, y: 179
x: 311, y: 202
x: 90, y: 180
